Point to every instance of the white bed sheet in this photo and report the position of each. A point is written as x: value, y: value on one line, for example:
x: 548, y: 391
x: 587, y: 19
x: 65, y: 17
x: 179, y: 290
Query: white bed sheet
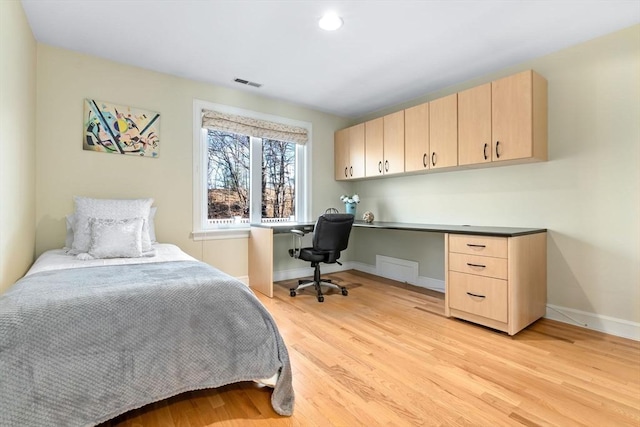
x: 58, y: 259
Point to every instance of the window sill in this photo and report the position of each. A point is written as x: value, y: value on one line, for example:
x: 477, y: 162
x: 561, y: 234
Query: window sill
x: 221, y: 234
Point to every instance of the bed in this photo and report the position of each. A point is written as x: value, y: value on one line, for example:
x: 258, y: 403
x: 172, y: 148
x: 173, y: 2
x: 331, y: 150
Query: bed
x: 84, y: 340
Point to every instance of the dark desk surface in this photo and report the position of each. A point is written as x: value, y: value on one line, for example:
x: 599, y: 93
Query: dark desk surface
x: 453, y: 229
x: 285, y: 227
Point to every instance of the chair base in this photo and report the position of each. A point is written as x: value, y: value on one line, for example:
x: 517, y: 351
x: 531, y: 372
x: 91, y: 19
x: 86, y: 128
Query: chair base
x: 318, y: 287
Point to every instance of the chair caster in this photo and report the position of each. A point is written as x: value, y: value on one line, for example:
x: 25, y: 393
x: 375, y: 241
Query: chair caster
x: 344, y: 291
x: 292, y: 292
x: 320, y: 298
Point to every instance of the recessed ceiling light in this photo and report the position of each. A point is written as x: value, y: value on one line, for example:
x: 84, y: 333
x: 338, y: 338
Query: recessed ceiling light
x: 330, y: 21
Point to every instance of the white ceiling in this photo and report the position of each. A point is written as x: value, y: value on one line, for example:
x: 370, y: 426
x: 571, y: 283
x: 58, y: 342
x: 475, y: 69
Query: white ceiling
x: 387, y: 52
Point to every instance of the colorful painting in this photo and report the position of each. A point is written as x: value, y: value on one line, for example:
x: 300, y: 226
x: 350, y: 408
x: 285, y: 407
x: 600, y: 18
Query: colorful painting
x: 118, y: 129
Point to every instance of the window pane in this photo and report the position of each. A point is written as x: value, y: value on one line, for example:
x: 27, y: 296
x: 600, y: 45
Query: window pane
x: 278, y: 180
x: 228, y: 177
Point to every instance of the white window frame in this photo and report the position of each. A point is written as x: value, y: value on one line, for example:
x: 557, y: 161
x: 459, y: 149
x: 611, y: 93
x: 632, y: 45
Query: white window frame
x: 202, y: 230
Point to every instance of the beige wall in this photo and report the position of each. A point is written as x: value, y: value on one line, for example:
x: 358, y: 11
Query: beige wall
x: 66, y: 78
x: 17, y: 143
x: 587, y: 194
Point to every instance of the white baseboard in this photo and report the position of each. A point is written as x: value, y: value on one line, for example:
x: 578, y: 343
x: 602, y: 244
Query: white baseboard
x: 597, y: 322
x: 423, y: 282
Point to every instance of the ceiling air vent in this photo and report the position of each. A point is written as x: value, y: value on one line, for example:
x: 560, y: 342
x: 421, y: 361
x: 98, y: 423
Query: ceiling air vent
x: 247, y: 82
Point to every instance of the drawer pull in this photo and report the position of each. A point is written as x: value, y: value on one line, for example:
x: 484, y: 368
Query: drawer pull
x: 476, y: 246
x: 475, y: 295
x: 476, y: 265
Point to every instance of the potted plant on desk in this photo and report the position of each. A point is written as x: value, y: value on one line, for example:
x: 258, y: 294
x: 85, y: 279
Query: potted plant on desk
x: 350, y: 203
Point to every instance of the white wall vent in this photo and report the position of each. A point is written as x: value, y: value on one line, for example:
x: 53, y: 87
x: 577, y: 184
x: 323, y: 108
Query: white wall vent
x: 401, y: 270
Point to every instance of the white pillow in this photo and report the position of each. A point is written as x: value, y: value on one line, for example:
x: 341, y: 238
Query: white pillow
x: 116, y: 238
x: 70, y: 224
x: 107, y: 209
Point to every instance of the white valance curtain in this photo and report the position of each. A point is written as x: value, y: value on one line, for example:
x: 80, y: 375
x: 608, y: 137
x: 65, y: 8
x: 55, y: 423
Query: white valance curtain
x: 253, y: 127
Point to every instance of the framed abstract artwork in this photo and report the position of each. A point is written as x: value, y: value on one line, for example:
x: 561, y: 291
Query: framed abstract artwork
x: 118, y: 129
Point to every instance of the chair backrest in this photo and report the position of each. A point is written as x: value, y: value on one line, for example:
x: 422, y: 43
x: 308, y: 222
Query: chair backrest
x: 331, y: 234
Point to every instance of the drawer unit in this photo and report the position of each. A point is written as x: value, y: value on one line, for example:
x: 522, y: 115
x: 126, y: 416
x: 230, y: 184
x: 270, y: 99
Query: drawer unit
x: 499, y: 282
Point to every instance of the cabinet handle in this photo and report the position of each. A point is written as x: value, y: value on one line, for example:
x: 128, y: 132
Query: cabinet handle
x: 380, y: 166
x: 476, y: 295
x: 351, y: 171
x: 386, y: 165
x: 497, y: 151
x: 484, y: 151
x: 424, y: 160
x: 476, y: 265
x: 346, y: 174
x: 471, y: 245
x: 433, y: 158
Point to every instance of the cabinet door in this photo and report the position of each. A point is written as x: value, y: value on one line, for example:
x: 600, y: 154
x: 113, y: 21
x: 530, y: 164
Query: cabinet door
x: 341, y: 154
x: 512, y: 117
x: 393, y: 152
x: 416, y: 138
x: 356, y: 151
x: 374, y: 147
x: 443, y: 132
x: 474, y: 125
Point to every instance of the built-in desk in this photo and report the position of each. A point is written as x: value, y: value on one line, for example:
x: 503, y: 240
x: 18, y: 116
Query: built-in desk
x: 452, y: 229
x: 494, y: 276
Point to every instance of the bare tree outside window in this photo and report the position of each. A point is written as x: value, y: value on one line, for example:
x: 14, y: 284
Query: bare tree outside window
x: 278, y: 179
x: 229, y: 175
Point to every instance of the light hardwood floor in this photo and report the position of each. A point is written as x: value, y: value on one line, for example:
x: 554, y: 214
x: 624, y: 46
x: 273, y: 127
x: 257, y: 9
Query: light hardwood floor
x: 386, y: 356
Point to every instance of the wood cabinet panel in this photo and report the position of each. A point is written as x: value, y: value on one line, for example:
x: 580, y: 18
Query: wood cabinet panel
x: 479, y: 265
x: 374, y: 143
x: 393, y: 143
x: 482, y: 296
x: 356, y: 151
x: 474, y: 125
x: 416, y: 138
x: 443, y: 132
x: 478, y: 245
x: 341, y: 154
x: 519, y: 117
x: 348, y: 149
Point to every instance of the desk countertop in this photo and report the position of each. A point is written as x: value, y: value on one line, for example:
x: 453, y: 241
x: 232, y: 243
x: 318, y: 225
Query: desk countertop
x: 453, y: 229
x: 285, y: 227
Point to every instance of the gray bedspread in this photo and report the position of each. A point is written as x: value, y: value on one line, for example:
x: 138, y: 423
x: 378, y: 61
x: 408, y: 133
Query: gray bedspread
x: 80, y: 346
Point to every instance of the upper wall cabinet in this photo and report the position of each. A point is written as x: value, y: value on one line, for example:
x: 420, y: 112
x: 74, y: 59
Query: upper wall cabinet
x: 349, y: 152
x: 416, y: 138
x: 384, y: 145
x: 519, y: 117
x: 443, y: 132
x: 502, y: 121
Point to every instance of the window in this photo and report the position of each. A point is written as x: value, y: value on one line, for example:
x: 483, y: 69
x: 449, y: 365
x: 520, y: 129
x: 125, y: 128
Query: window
x: 244, y: 174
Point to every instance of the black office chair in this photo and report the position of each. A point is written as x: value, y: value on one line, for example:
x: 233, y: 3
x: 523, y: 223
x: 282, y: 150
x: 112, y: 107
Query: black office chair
x: 330, y: 236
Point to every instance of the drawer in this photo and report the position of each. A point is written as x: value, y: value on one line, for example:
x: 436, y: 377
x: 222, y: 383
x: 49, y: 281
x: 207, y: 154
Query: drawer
x: 478, y: 245
x: 480, y: 265
x: 482, y: 296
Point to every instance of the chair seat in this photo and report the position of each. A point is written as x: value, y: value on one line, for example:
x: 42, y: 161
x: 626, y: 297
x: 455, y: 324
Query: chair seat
x: 308, y: 254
